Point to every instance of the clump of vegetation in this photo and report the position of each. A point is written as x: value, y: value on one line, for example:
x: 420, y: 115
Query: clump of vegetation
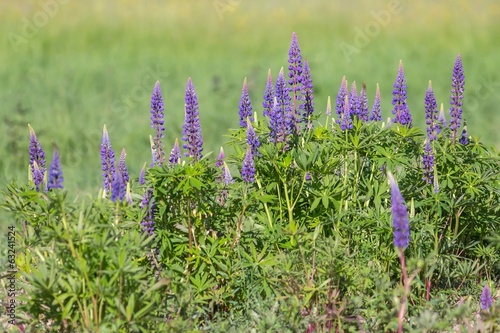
x: 352, y: 225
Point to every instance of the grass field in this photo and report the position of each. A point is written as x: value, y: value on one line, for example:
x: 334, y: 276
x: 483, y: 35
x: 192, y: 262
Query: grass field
x: 69, y: 67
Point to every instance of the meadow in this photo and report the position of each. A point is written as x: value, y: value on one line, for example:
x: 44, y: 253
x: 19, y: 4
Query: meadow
x: 313, y: 217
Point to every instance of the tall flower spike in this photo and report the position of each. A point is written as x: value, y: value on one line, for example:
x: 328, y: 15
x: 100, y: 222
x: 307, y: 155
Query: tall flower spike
x: 157, y: 123
x: 339, y: 106
x: 284, y: 110
x: 363, y: 104
x: 123, y: 167
x: 268, y: 102
x: 400, y: 222
x: 307, y: 105
x: 376, y: 114
x: 55, y: 171
x: 253, y: 139
x: 142, y: 175
x: 431, y: 113
x: 328, y: 107
x: 295, y: 74
x: 457, y: 94
x: 441, y: 120
x: 276, y: 124
x: 245, y: 105
x: 219, y: 162
x: 346, y: 121
x: 118, y: 188
x: 401, y: 110
x: 228, y: 179
x: 107, y: 161
x: 148, y: 204
x: 464, y: 138
x: 248, y: 169
x: 191, y: 130
x: 36, y: 155
x: 175, y: 154
x: 428, y: 163
x: 354, y: 105
x: 486, y: 298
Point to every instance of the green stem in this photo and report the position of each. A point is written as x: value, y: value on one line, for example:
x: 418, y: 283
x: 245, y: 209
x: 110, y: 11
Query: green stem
x: 268, y: 214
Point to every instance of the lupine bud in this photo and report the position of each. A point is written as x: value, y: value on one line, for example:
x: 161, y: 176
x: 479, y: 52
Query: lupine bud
x: 486, y: 298
x: 55, y: 171
x: 107, y: 161
x: 245, y: 105
x: 328, y: 107
x: 431, y: 113
x: 175, y: 154
x: 376, y: 114
x: 464, y: 138
x: 400, y: 222
x: 37, y: 175
x: 340, y: 104
x: 123, y: 167
x: 248, y: 169
x: 253, y: 139
x: 363, y: 104
x: 191, y: 130
x: 457, y: 94
x: 401, y: 110
x: 346, y: 121
x: 441, y: 120
x: 428, y: 162
x: 268, y: 102
x: 118, y: 188
x: 157, y: 123
x: 307, y: 105
x: 36, y: 155
x: 142, y: 175
x: 219, y: 162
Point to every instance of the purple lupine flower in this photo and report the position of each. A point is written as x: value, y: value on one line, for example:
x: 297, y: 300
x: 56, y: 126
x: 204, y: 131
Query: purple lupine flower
x: 354, y: 105
x: 307, y: 105
x: 295, y: 75
x: 340, y: 104
x: 157, y: 123
x: 428, y: 162
x: 486, y: 298
x: 268, y: 102
x: 191, y: 130
x: 457, y: 94
x: 284, y: 105
x: 123, y: 167
x: 245, y: 105
x: 328, y: 107
x: 219, y: 162
x: 107, y: 161
x: 118, y: 187
x: 400, y: 222
x: 147, y: 203
x: 55, y: 171
x: 376, y: 114
x: 276, y: 124
x: 363, y: 104
x: 441, y: 120
x: 431, y: 113
x: 464, y: 138
x: 248, y: 169
x: 36, y: 155
x: 346, y: 121
x: 228, y: 179
x: 253, y: 139
x: 175, y: 154
x: 142, y: 175
x: 401, y: 110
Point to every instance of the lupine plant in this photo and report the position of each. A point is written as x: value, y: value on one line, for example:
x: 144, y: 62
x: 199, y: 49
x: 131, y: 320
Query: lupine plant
x: 312, y: 234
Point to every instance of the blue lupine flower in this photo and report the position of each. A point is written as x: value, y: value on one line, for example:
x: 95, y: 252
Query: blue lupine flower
x: 268, y: 102
x: 340, y: 103
x: 175, y: 154
x: 307, y: 105
x: 253, y: 139
x: 37, y: 155
x: 245, y: 105
x: 295, y: 75
x: 431, y: 113
x: 346, y: 121
x: 123, y: 167
x: 376, y: 114
x: 107, y: 161
x: 486, y: 298
x: 401, y: 110
x: 118, y: 187
x: 428, y: 162
x: 55, y: 171
x: 400, y: 222
x: 191, y: 130
x: 157, y: 123
x: 464, y: 138
x: 248, y: 169
x: 457, y: 94
x: 363, y: 104
x: 354, y: 105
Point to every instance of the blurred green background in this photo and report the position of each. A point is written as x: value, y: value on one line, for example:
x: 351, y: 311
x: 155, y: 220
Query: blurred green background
x: 68, y: 67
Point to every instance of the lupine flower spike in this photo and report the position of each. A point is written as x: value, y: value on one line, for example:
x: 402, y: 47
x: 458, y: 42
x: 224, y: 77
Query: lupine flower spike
x: 441, y: 120
x: 457, y: 94
x: 228, y: 179
x: 464, y: 138
x: 401, y: 110
x: 248, y: 169
x: 400, y: 222
x: 55, y: 171
x: 123, y: 167
x: 340, y: 102
x: 175, y: 154
x: 486, y: 298
x: 142, y: 175
x: 287, y: 115
x: 376, y: 114
x: 157, y: 123
x: 118, y: 188
x: 191, y: 130
x: 428, y: 162
x: 37, y: 156
x: 245, y: 105
x: 363, y: 104
x: 354, y: 105
x: 253, y: 139
x: 268, y: 102
x: 107, y: 161
x: 219, y: 162
x: 431, y: 113
x: 346, y: 121
x: 295, y: 75
x: 307, y: 106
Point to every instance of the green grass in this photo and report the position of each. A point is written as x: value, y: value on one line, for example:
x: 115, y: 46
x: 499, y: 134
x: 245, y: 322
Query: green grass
x: 72, y: 76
